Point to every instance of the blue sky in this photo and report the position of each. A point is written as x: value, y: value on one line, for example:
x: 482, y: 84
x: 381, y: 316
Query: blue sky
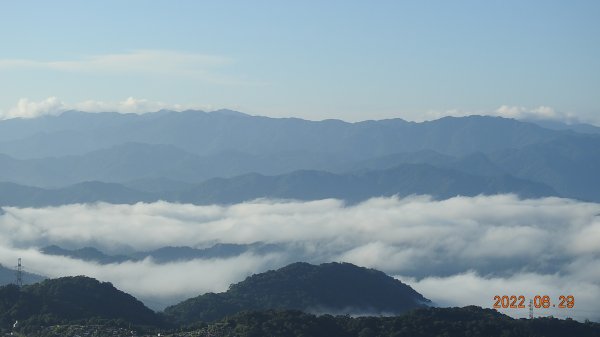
x: 352, y: 60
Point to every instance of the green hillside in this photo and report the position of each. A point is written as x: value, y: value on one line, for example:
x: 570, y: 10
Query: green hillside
x: 339, y: 288
x: 68, y: 300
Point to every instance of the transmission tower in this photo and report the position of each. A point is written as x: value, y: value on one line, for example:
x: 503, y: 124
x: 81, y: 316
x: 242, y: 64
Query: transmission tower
x: 19, y: 273
x: 530, y: 309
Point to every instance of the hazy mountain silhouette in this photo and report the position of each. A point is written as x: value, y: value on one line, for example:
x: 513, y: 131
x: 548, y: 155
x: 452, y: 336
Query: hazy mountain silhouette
x: 85, y: 254
x: 403, y: 180
x: 76, y: 133
x: 136, y: 164
x: 227, y: 156
x: 557, y: 125
x: 164, y: 254
x: 570, y: 165
x: 88, y: 192
x: 8, y: 275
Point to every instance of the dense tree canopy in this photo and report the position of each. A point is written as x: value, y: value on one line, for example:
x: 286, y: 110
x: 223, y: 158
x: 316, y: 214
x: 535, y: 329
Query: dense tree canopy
x: 71, y: 299
x: 327, y: 288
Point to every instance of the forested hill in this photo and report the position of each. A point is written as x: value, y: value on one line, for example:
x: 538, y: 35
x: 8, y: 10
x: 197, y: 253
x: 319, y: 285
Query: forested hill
x: 68, y: 300
x: 80, y: 306
x: 339, y: 288
x: 427, y: 322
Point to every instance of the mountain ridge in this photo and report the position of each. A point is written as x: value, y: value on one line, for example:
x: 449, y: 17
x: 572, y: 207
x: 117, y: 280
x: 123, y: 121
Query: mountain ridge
x: 329, y: 287
x: 404, y: 180
x: 69, y: 299
x: 187, y: 156
x: 204, y: 133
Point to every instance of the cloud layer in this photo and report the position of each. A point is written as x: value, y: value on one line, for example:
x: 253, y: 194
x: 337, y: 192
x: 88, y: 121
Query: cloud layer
x: 456, y: 252
x: 158, y: 62
x: 53, y: 106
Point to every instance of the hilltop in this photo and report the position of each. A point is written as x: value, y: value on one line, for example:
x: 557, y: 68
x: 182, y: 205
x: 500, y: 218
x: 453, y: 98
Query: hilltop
x: 69, y: 300
x: 337, y: 288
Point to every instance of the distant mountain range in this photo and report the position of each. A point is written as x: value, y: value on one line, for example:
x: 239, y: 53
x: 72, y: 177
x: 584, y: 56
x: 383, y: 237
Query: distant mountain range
x: 201, y: 133
x: 227, y: 156
x: 403, y: 180
x: 163, y: 254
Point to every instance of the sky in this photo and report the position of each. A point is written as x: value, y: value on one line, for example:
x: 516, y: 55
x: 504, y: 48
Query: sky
x: 456, y: 252
x: 351, y: 60
x: 344, y: 59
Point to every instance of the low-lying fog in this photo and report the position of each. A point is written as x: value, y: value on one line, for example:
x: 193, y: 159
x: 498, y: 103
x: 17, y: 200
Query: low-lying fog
x: 455, y: 252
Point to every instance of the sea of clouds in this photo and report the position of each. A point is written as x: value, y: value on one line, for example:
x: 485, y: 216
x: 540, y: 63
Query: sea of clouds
x: 456, y: 252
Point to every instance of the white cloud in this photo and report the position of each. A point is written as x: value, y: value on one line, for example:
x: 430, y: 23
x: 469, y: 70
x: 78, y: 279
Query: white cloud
x: 52, y: 106
x: 132, y: 105
x: 29, y: 109
x: 158, y: 285
x: 458, y: 251
x: 155, y: 62
x: 479, y: 290
x: 156, y: 65
x: 539, y: 113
